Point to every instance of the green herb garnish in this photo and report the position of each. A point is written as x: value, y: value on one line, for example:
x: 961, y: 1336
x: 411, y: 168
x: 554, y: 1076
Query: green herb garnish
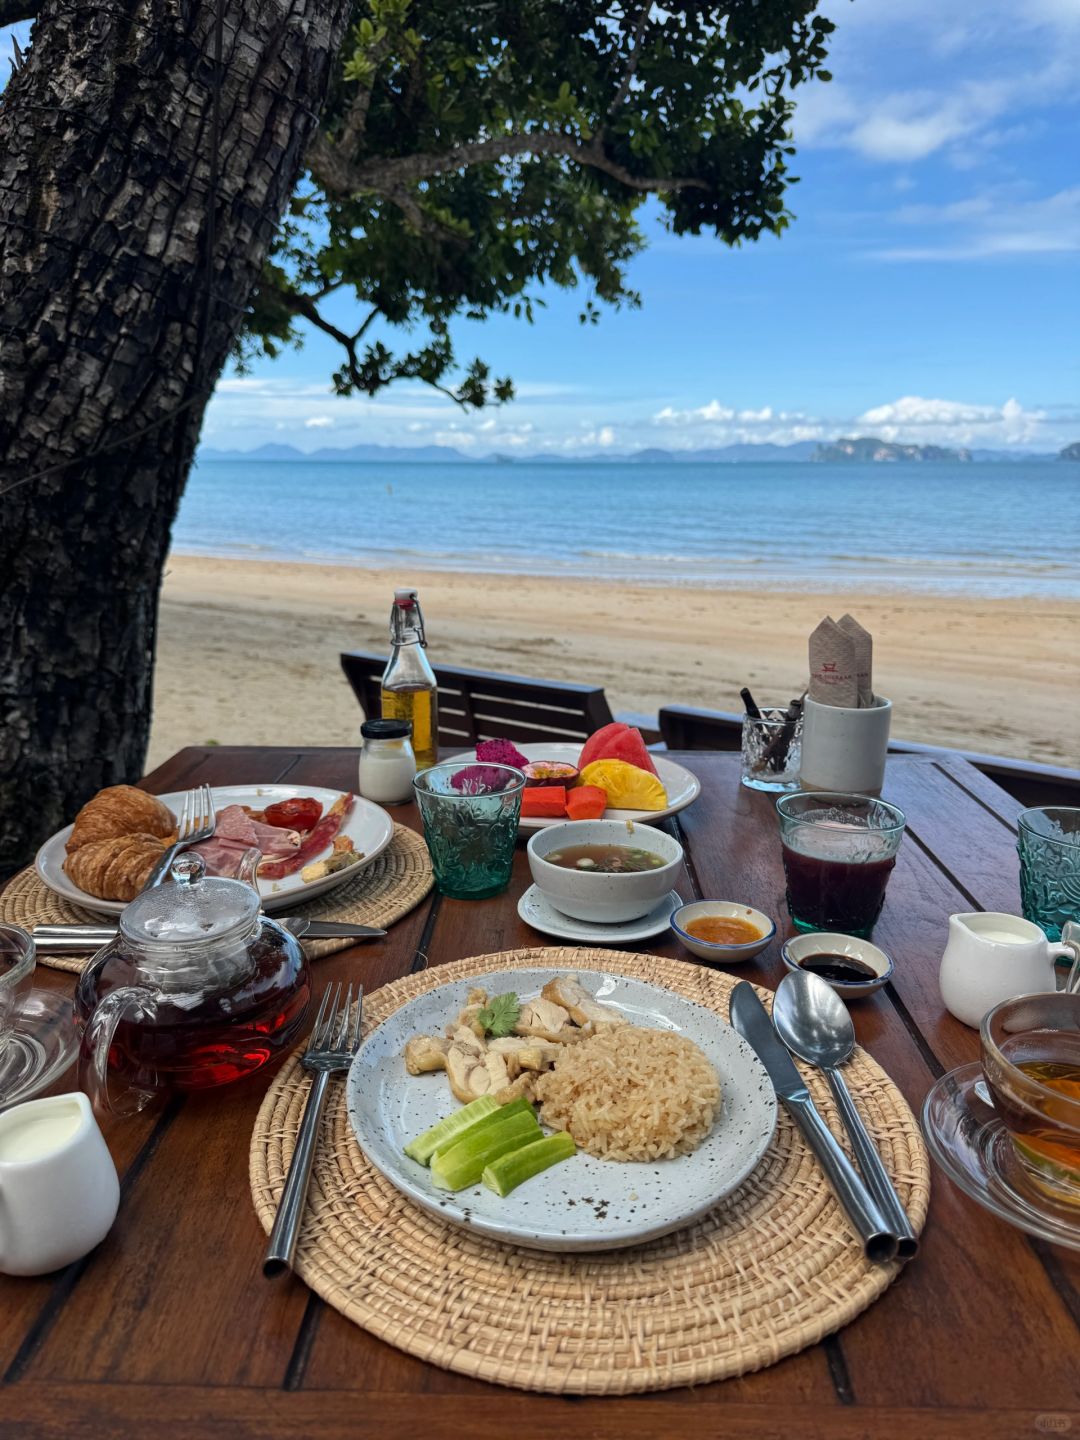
x: 500, y: 1017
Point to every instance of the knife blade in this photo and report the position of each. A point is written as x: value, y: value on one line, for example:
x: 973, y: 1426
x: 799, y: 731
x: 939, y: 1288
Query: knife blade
x: 77, y: 939
x: 751, y: 1020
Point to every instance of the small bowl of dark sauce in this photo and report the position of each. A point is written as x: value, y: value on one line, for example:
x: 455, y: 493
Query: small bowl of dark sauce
x: 853, y: 967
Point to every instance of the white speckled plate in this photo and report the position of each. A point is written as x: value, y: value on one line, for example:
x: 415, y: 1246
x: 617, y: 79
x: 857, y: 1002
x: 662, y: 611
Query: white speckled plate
x: 682, y: 787
x: 368, y: 826
x: 584, y: 1203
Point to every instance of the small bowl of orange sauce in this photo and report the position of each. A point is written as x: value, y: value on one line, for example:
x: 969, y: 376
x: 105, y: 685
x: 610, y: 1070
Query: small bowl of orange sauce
x: 722, y: 931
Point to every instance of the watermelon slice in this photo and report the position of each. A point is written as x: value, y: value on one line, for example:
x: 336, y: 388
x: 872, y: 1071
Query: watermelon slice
x: 617, y: 742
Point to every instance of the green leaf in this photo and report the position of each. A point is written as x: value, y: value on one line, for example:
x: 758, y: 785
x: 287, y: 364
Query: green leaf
x: 500, y: 1016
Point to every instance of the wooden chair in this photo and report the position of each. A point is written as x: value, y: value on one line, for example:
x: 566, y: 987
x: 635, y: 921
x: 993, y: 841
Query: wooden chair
x: 479, y: 705
x: 686, y: 728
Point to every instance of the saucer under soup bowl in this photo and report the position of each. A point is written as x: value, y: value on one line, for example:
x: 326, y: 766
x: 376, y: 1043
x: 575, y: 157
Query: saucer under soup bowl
x: 595, y: 895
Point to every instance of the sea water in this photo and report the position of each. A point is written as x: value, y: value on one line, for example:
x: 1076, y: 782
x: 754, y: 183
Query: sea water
x: 1009, y: 528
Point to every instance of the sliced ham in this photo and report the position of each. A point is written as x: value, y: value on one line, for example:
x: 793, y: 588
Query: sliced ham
x: 236, y: 832
x: 235, y: 824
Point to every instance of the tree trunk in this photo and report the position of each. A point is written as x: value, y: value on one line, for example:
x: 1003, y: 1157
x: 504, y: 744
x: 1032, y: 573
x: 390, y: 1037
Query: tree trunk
x: 105, y: 174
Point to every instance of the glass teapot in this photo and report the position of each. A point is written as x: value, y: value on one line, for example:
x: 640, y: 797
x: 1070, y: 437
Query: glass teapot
x: 197, y: 989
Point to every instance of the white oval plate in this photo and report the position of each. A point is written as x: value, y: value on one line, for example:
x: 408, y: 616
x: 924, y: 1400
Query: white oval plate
x: 583, y: 1203
x: 369, y: 828
x: 682, y: 787
x: 538, y: 912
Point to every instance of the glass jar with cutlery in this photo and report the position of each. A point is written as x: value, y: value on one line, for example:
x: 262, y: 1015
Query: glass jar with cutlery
x: 197, y: 989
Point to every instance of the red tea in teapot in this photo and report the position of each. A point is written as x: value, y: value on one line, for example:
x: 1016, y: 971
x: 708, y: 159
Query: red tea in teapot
x: 197, y: 990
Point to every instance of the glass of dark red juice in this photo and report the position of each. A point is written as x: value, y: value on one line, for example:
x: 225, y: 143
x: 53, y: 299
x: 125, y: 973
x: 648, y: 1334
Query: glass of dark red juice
x: 839, y: 851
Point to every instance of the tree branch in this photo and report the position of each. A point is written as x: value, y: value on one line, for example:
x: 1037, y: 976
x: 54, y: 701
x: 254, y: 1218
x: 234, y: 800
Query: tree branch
x: 305, y: 306
x: 632, y: 59
x: 336, y: 172
x: 12, y: 11
x: 356, y: 119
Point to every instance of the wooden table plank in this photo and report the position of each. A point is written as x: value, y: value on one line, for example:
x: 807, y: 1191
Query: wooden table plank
x: 173, y: 1325
x: 75, y: 1412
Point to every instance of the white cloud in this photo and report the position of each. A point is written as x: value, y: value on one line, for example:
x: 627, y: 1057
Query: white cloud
x: 903, y: 127
x: 916, y: 420
x: 318, y: 422
x: 992, y: 225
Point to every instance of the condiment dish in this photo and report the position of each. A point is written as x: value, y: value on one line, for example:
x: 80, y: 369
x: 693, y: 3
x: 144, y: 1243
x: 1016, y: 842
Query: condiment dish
x: 819, y: 945
x: 722, y: 953
x: 597, y: 895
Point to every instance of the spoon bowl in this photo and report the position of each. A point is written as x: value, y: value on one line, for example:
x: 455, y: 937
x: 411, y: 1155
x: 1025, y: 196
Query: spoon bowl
x: 813, y: 1021
x: 814, y: 1024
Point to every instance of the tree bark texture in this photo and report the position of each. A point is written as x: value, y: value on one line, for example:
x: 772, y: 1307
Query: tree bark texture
x: 105, y: 178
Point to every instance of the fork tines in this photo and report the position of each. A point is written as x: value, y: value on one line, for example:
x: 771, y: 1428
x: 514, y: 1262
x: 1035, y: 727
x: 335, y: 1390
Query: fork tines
x: 331, y: 1031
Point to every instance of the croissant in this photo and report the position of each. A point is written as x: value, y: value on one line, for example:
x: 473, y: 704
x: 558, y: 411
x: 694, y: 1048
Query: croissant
x: 116, y: 868
x: 120, y: 810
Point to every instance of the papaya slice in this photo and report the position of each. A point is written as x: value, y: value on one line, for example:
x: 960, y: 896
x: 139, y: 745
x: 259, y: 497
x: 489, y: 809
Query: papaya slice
x: 586, y: 802
x: 543, y: 802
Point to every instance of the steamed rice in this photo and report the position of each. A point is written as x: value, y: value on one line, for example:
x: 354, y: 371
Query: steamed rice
x: 632, y: 1094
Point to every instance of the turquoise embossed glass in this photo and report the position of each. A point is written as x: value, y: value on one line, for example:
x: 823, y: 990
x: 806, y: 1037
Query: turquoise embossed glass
x: 1048, y: 839
x: 470, y: 814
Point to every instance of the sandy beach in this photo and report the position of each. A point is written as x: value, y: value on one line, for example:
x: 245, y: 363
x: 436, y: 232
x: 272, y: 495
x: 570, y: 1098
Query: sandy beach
x: 248, y: 651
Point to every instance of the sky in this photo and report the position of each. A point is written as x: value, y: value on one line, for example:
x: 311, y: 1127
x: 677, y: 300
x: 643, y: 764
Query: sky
x: 927, y: 291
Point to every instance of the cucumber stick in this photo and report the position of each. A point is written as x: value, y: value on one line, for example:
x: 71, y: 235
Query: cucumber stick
x: 507, y: 1171
x: 464, y: 1162
x: 446, y: 1131
x: 463, y: 1122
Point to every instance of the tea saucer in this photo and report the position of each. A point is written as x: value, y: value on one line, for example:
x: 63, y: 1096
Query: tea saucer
x: 537, y: 912
x: 42, y: 1045
x: 970, y: 1143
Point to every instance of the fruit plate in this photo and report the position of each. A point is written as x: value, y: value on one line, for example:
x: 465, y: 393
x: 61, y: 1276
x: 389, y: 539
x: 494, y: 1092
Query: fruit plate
x: 369, y: 828
x: 583, y: 1203
x: 682, y: 787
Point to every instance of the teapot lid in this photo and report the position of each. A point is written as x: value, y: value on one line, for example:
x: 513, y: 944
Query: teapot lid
x: 196, y: 909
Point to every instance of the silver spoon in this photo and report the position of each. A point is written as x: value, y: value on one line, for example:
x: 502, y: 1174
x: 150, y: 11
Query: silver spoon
x: 814, y: 1024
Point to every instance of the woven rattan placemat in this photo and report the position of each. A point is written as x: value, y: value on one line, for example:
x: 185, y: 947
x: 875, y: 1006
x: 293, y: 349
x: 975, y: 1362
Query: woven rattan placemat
x: 391, y: 886
x: 768, y: 1272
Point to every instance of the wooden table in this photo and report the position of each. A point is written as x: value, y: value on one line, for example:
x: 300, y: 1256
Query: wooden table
x: 169, y: 1326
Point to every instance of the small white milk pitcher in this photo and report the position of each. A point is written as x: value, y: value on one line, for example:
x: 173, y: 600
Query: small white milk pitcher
x: 58, y: 1186
x: 992, y: 957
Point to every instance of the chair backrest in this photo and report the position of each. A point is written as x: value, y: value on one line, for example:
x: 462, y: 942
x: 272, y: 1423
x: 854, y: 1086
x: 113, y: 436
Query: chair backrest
x: 685, y: 728
x: 480, y: 705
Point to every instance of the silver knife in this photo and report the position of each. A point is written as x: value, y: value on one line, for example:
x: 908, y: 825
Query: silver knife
x: 78, y: 939
x: 751, y: 1019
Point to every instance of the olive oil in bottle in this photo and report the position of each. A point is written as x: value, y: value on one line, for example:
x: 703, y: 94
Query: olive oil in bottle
x: 409, y: 689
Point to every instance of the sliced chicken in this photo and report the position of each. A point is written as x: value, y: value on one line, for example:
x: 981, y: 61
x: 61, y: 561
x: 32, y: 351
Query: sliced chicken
x: 521, y: 1053
x: 568, y: 991
x: 424, y: 1053
x: 544, y: 1019
x: 523, y: 1085
x: 467, y: 1018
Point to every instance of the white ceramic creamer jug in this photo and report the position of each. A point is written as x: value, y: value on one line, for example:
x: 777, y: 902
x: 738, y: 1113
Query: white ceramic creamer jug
x: 58, y: 1186
x: 991, y: 957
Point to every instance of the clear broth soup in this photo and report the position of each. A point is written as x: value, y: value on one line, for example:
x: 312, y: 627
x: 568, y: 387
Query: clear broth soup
x: 605, y: 859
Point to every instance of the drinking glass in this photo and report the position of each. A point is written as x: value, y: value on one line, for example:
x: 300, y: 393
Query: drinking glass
x: 1031, y: 1060
x: 839, y: 851
x: 470, y: 814
x: 771, y: 750
x: 17, y: 959
x: 1048, y: 840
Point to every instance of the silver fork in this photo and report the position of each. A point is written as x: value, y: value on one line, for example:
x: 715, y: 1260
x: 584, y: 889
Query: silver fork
x: 198, y: 820
x: 332, y: 1045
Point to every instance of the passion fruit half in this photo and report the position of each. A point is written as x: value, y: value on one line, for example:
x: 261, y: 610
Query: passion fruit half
x: 550, y: 772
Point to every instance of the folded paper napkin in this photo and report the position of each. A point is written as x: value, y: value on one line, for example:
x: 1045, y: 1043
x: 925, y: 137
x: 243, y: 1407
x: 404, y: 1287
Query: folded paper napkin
x: 841, y: 663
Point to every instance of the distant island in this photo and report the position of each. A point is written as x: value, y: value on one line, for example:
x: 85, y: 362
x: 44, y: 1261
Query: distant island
x: 861, y: 449
x: 868, y: 449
